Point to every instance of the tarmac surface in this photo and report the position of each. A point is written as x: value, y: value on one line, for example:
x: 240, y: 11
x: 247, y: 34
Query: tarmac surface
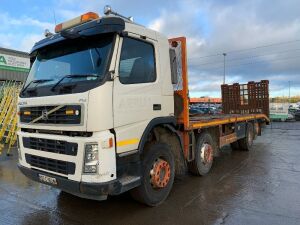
x: 257, y: 187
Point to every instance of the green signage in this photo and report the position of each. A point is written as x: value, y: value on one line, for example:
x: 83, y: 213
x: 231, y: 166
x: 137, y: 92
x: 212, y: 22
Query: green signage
x: 14, y: 63
x: 11, y: 68
x: 2, y: 59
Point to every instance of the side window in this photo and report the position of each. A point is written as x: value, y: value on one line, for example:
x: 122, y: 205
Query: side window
x: 137, y: 62
x: 173, y: 63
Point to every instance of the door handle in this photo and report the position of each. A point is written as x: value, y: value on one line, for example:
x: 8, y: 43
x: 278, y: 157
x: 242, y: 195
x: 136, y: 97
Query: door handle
x: 156, y: 107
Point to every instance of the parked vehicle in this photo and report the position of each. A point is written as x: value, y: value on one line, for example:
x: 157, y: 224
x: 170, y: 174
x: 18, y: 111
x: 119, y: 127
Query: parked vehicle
x: 290, y: 117
x: 297, y: 115
x: 292, y: 110
x: 195, y: 111
x: 279, y: 111
x: 104, y: 110
x: 206, y: 109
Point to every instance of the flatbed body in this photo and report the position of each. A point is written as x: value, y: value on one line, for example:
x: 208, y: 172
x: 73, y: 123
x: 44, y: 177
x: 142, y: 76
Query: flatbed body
x: 206, y: 121
x: 243, y: 105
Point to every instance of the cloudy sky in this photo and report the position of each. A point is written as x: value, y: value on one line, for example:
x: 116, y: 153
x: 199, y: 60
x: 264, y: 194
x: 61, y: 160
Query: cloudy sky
x: 261, y: 39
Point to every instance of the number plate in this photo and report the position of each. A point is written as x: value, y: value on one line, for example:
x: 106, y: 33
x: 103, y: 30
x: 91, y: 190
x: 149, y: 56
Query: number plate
x: 46, y: 179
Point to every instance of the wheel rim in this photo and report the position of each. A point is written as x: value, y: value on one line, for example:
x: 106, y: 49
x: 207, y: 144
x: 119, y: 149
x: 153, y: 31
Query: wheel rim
x: 206, y: 153
x: 250, y: 138
x: 256, y: 128
x: 160, y: 173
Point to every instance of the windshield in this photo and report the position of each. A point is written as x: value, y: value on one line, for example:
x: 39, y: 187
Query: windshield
x: 80, y: 62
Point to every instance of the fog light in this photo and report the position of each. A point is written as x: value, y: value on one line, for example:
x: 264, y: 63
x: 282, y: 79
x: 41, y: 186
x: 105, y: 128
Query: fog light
x: 91, y: 158
x: 90, y: 168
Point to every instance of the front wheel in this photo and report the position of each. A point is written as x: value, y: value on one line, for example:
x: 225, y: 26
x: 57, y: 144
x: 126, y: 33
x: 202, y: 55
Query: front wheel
x: 158, y: 173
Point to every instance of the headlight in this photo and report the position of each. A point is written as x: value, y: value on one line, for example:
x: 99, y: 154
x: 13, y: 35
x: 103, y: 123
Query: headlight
x: 91, y: 158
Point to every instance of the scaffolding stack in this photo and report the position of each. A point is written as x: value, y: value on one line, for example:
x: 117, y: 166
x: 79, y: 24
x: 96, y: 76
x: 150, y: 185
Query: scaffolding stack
x: 250, y: 98
x: 9, y: 92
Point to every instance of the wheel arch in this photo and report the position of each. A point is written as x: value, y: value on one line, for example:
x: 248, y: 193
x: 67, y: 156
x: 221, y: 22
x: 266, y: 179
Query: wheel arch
x: 159, y: 121
x: 168, y: 125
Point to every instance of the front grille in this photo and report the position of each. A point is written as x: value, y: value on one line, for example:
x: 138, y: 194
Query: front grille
x: 28, y: 114
x: 48, y: 145
x: 53, y: 165
x: 58, y: 132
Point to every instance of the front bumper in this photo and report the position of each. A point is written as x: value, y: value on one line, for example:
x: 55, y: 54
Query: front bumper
x: 95, y: 191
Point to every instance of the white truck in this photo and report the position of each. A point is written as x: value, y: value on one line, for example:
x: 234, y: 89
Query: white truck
x: 105, y: 109
x: 279, y: 111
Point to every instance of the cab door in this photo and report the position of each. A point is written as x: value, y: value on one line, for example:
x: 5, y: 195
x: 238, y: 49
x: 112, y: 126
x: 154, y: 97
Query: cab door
x: 137, y: 90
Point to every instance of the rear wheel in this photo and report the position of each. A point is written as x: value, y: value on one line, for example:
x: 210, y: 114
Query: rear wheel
x: 203, y: 161
x: 235, y: 145
x: 256, y: 130
x: 158, y: 173
x: 247, y: 142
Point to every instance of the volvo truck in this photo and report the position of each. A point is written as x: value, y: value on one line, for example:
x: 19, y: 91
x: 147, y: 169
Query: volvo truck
x: 105, y: 110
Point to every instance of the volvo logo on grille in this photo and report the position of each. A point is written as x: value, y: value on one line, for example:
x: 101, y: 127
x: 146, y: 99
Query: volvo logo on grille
x: 45, y: 114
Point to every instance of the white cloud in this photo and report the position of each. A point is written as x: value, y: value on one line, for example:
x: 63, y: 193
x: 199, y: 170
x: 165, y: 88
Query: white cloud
x: 217, y: 27
x: 8, y: 21
x: 6, y: 40
x: 21, y: 33
x: 157, y: 24
x: 67, y: 14
x: 28, y: 41
x: 27, y: 21
x: 211, y: 27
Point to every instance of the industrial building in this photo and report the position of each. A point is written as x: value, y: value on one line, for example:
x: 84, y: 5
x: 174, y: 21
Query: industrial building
x: 14, y: 65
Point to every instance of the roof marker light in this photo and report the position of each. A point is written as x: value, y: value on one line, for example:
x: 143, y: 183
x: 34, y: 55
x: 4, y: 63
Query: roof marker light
x: 76, y: 21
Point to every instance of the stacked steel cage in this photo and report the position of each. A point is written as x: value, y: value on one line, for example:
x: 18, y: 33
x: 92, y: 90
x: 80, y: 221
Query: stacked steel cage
x: 250, y: 98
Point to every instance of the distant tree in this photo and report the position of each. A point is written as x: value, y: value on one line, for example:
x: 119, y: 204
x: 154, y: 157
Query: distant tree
x: 294, y: 99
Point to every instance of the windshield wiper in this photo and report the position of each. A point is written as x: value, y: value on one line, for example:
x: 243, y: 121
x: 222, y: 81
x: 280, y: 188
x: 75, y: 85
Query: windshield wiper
x: 72, y: 76
x: 35, y: 82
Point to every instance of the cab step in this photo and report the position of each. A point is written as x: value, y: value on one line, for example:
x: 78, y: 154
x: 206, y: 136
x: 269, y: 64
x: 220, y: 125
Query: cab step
x: 129, y: 182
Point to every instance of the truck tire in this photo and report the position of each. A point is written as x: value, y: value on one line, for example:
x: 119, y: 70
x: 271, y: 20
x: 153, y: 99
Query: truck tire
x: 204, y: 150
x: 256, y: 130
x: 235, y: 146
x: 247, y: 142
x: 158, y: 172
